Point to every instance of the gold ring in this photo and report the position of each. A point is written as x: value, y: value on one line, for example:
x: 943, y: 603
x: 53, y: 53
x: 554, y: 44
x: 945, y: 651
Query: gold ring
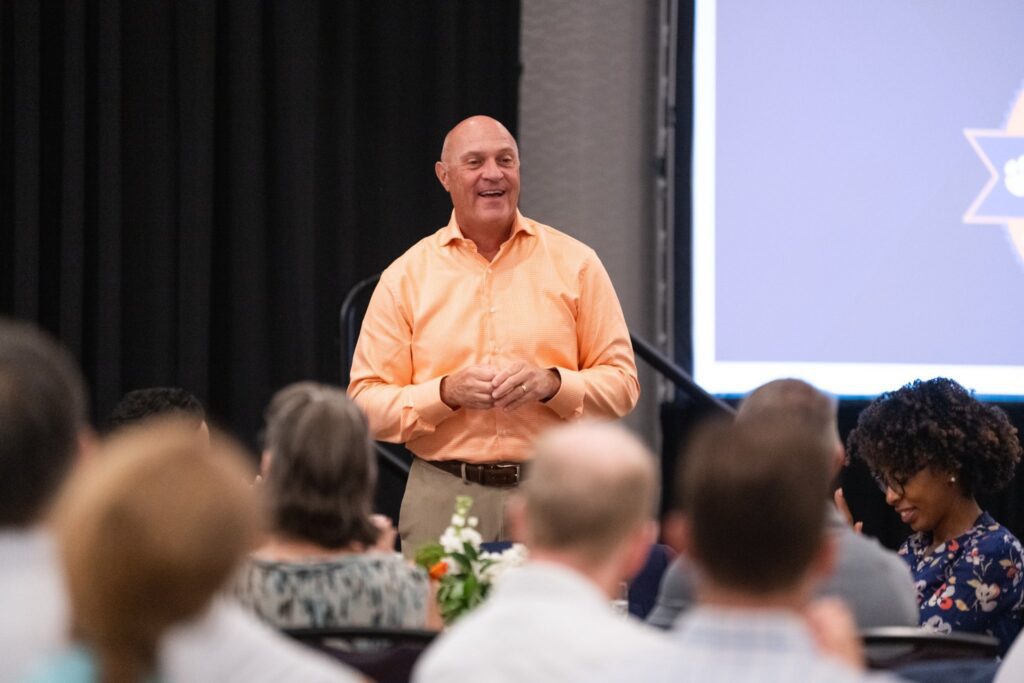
x: 523, y: 387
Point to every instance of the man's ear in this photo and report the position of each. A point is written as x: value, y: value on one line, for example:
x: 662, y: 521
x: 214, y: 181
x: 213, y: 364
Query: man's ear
x: 839, y: 458
x: 265, y: 463
x: 824, y: 562
x: 638, y: 548
x: 88, y: 445
x: 675, y: 529
x: 441, y: 171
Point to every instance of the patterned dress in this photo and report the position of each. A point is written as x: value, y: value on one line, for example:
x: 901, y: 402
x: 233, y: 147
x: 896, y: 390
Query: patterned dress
x: 972, y: 583
x: 372, y: 589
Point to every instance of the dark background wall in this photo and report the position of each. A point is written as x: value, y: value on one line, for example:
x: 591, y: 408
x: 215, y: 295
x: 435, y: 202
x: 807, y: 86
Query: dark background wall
x: 189, y: 187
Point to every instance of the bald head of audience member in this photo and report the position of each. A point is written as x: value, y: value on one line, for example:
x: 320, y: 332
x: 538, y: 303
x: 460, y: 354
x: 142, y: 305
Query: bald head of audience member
x: 43, y: 421
x: 802, y: 407
x: 754, y: 522
x: 589, y: 501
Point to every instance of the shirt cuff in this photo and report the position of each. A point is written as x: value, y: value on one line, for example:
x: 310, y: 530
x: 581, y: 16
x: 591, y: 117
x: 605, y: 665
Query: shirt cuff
x: 568, y: 400
x: 426, y: 401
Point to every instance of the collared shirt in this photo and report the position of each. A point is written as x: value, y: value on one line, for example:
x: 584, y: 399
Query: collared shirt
x: 757, y: 646
x: 545, y: 299
x: 542, y: 622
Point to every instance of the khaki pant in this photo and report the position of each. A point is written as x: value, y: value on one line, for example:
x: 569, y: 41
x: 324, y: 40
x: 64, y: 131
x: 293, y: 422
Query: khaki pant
x: 429, y: 503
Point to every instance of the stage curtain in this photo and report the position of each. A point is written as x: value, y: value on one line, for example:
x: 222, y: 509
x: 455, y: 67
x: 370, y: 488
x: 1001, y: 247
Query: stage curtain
x: 188, y: 189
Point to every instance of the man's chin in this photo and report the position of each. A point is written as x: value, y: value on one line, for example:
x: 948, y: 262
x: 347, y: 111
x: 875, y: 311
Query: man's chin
x: 501, y: 218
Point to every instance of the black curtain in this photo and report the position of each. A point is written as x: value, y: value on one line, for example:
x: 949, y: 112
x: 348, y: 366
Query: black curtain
x: 188, y: 188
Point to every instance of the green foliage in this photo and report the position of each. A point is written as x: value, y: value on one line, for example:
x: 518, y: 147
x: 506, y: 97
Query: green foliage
x: 429, y: 555
x: 457, y: 564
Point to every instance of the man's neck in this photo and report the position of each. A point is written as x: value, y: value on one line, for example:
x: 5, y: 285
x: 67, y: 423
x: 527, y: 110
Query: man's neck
x: 604, y: 575
x: 488, y: 238
x: 789, y: 600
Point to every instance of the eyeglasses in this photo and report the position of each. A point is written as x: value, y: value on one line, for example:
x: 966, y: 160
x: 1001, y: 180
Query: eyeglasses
x: 896, y: 482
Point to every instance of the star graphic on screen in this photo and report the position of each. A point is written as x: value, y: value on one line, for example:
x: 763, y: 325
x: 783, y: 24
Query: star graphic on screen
x: 1001, y: 201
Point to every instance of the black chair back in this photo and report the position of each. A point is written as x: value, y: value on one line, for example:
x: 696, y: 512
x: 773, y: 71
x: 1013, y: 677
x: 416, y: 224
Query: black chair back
x: 896, y: 646
x: 384, y: 655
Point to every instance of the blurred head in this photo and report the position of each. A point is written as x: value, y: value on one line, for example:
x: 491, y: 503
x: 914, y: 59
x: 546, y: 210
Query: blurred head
x: 148, y: 534
x: 590, y: 489
x: 144, y: 404
x: 754, y: 489
x: 479, y: 168
x: 801, y: 406
x: 42, y: 419
x: 322, y: 473
x: 931, y: 444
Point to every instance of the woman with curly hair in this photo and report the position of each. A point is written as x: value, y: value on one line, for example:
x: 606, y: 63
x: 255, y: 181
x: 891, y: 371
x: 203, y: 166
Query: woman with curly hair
x: 933, y: 447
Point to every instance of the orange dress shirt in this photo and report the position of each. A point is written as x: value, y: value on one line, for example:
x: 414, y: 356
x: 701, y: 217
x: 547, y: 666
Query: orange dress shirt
x: 545, y: 299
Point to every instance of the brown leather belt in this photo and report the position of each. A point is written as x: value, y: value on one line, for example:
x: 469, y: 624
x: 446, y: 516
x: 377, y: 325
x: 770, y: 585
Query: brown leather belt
x: 504, y: 475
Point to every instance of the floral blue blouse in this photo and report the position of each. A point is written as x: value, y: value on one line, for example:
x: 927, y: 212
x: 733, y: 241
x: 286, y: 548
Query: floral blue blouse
x: 972, y: 583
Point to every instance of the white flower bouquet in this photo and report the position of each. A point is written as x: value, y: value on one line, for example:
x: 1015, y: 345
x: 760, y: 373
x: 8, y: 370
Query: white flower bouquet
x: 464, y: 572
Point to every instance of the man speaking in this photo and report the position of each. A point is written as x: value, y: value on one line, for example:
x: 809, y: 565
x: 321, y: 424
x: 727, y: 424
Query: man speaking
x: 481, y: 336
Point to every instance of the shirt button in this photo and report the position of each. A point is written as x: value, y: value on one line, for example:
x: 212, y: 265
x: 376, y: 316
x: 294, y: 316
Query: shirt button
x: 493, y: 309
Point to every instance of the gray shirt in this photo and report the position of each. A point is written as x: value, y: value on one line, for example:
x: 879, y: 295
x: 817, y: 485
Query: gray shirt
x: 873, y: 581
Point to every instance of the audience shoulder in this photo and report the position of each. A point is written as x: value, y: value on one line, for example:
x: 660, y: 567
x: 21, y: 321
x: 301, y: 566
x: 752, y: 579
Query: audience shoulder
x: 228, y: 644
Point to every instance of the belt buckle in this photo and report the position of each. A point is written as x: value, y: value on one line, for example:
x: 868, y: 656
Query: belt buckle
x: 514, y: 467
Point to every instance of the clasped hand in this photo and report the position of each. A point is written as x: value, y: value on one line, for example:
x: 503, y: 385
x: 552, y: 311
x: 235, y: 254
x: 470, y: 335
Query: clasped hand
x: 485, y: 386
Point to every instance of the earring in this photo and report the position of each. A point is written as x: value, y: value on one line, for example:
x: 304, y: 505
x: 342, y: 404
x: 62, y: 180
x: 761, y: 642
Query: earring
x: 952, y: 480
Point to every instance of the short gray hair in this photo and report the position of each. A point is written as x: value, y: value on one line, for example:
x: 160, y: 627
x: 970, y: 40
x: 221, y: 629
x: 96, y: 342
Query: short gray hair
x: 322, y: 472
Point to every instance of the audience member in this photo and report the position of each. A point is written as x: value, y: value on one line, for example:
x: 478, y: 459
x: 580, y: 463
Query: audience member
x: 143, y: 563
x: 933, y: 447
x: 43, y: 430
x: 871, y: 579
x: 139, y: 556
x: 585, y: 514
x: 326, y: 562
x: 754, y: 525
x: 140, y: 405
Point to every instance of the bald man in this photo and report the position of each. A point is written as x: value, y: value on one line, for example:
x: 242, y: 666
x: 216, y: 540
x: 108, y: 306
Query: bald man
x: 482, y: 335
x: 586, y: 515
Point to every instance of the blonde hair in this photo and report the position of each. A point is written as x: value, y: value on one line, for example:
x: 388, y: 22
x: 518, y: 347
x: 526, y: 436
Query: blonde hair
x: 588, y: 487
x: 794, y: 400
x: 148, y: 535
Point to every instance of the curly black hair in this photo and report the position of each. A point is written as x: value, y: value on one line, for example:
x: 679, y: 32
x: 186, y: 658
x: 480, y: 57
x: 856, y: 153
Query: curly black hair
x: 143, y: 404
x: 940, y: 424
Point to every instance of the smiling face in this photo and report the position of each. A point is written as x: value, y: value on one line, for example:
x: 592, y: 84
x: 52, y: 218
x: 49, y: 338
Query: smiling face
x: 924, y: 500
x: 479, y: 168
